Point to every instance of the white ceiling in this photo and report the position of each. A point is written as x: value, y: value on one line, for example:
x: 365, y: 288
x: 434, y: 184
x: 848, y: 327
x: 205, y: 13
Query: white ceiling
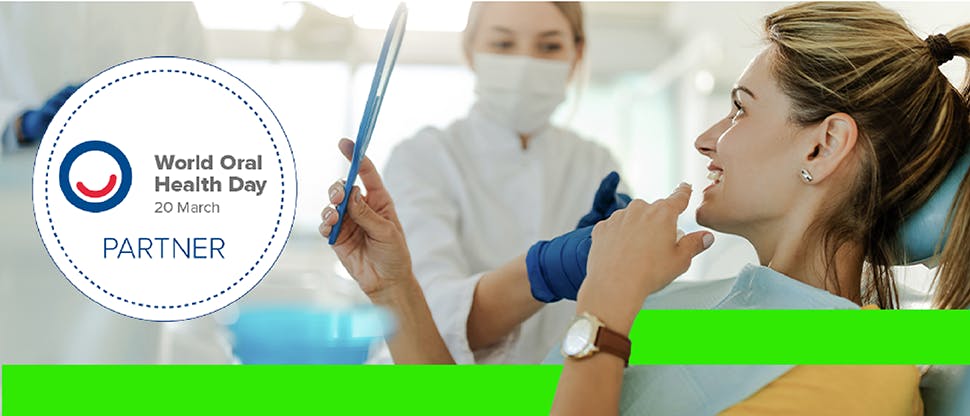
x: 623, y: 36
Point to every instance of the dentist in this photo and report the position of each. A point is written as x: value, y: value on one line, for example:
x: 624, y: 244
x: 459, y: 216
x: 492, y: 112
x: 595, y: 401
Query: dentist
x: 474, y: 196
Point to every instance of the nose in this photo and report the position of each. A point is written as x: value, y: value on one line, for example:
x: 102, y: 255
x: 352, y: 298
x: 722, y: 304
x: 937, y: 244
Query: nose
x: 706, y: 143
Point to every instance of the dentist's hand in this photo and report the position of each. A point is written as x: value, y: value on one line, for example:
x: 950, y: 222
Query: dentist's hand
x: 371, y: 244
x: 634, y: 254
x: 557, y: 267
x: 605, y: 202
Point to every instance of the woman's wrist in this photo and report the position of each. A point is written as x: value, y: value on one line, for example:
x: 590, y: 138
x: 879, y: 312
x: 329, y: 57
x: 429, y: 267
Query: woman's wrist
x: 613, y: 304
x: 396, y: 291
x: 615, y: 315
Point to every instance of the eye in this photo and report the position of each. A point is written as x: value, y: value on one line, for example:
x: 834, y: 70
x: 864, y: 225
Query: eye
x: 550, y: 47
x: 738, y: 112
x: 503, y: 44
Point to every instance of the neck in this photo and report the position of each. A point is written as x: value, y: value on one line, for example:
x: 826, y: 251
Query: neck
x: 789, y: 246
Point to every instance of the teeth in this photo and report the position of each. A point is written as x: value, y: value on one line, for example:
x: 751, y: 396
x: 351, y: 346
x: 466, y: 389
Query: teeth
x: 714, y: 175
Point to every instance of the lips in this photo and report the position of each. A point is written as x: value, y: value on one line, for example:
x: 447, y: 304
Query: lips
x: 715, y: 173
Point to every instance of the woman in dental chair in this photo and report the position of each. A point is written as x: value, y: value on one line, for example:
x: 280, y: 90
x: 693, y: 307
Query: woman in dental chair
x: 842, y: 127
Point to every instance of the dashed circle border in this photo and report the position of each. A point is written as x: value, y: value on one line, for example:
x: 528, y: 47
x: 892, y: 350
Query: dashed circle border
x: 278, y: 159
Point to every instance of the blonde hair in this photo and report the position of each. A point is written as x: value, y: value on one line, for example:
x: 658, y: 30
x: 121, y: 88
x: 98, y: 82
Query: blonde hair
x: 572, y: 10
x: 863, y: 60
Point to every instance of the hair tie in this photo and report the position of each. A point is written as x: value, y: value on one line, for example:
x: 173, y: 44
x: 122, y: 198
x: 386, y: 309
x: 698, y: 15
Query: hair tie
x: 940, y: 48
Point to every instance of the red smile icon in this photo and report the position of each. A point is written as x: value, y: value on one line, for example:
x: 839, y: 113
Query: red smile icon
x: 99, y: 192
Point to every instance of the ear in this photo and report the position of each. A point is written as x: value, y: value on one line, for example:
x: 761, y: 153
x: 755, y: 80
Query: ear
x: 829, y: 144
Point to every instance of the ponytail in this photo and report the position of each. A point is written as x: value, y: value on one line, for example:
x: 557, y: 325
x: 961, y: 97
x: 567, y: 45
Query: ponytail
x: 953, y: 276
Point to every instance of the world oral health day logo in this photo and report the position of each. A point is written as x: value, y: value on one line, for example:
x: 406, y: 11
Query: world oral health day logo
x: 164, y: 189
x: 107, y: 202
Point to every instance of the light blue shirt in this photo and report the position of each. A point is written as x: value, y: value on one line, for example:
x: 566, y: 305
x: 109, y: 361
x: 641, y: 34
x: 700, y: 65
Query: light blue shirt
x: 674, y: 390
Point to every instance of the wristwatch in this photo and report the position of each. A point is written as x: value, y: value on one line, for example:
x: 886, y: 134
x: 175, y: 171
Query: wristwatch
x: 588, y: 335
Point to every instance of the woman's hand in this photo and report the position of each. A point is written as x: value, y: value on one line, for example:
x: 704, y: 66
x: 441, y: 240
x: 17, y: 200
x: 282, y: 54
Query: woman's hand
x: 635, y: 253
x: 371, y: 244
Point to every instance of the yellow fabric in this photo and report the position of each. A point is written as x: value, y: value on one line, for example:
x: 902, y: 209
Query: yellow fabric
x: 858, y: 390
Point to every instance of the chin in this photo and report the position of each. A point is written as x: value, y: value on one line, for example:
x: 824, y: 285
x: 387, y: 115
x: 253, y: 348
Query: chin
x: 720, y: 220
x: 703, y: 216
x: 707, y: 217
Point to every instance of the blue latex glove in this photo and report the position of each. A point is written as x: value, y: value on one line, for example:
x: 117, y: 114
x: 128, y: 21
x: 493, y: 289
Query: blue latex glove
x: 557, y: 267
x: 33, y: 123
x: 605, y: 202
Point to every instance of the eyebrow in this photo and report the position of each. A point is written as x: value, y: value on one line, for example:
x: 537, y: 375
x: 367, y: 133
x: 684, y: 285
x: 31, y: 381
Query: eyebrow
x: 742, y: 88
x: 545, y: 34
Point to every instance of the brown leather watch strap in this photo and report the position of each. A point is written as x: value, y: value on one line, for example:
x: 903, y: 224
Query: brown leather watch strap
x: 613, y: 342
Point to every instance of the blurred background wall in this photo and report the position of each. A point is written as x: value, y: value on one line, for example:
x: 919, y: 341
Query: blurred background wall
x: 657, y: 74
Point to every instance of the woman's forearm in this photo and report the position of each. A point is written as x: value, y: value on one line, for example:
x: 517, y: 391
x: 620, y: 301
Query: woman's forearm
x: 502, y: 301
x: 416, y: 340
x: 592, y: 385
x: 589, y: 386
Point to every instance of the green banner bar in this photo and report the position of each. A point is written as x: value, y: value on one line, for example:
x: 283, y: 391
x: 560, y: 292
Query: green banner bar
x: 278, y: 390
x: 802, y: 337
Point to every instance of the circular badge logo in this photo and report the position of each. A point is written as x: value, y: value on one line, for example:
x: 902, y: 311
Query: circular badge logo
x: 164, y: 189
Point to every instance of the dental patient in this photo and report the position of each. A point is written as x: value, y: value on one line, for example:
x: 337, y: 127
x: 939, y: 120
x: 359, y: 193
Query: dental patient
x: 839, y: 129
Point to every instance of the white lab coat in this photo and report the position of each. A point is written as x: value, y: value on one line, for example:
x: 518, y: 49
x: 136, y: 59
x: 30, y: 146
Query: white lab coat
x: 43, y: 319
x: 46, y: 46
x: 470, y: 199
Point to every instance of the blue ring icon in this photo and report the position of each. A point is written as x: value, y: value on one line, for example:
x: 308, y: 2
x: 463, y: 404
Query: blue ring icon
x: 100, y: 146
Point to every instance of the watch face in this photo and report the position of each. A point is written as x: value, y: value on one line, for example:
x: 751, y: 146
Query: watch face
x: 578, y: 337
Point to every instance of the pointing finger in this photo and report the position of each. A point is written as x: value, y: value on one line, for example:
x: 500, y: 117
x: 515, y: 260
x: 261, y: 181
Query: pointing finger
x: 679, y: 199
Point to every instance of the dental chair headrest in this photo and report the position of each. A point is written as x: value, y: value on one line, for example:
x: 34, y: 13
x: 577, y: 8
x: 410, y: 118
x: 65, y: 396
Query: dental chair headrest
x: 924, y: 230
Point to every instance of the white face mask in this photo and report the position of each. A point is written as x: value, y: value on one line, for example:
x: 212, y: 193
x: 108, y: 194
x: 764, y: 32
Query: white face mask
x: 519, y: 92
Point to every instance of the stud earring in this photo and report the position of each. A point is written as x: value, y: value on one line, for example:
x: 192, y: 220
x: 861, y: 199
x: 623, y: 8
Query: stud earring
x: 807, y: 176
